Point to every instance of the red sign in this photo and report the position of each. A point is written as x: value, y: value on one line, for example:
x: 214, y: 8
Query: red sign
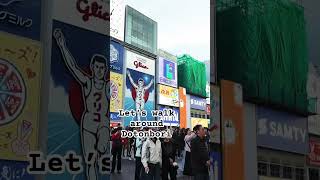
x: 92, y: 10
x: 208, y: 109
x: 138, y: 64
x: 114, y: 124
x: 314, y: 155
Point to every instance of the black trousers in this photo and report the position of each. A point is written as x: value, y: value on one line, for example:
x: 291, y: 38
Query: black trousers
x: 201, y: 176
x: 167, y: 169
x: 138, y: 169
x: 154, y: 172
x: 116, y: 155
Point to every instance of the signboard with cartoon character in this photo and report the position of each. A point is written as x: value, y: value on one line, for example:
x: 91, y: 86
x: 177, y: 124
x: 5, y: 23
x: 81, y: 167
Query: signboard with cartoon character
x: 20, y: 78
x: 78, y: 117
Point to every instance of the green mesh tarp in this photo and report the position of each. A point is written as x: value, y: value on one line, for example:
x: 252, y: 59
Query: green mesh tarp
x: 192, y: 75
x: 262, y: 45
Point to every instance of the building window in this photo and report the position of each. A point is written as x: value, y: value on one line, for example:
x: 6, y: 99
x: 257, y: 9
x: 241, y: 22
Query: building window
x: 262, y: 169
x: 314, y: 174
x: 299, y: 174
x: 275, y: 170
x: 287, y: 172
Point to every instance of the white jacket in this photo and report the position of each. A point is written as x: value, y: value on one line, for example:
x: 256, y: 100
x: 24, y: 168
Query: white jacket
x: 187, y: 140
x: 151, y: 152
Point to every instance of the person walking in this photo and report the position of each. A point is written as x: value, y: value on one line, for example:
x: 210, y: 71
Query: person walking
x: 138, y: 148
x: 187, y: 162
x: 199, y: 155
x: 151, y: 158
x: 169, y: 166
x: 116, y: 150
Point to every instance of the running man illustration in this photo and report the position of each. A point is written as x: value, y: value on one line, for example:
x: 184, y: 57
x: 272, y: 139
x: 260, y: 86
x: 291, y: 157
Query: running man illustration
x: 96, y: 95
x: 140, y: 92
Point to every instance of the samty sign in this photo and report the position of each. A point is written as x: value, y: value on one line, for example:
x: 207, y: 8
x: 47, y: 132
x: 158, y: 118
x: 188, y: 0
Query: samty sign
x: 282, y: 131
x: 198, y: 103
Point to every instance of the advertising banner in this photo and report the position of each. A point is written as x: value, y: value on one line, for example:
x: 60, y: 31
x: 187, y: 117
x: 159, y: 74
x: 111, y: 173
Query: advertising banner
x: 314, y: 155
x: 215, y: 114
x: 168, y: 96
x: 116, y: 94
x: 168, y: 73
x: 92, y: 15
x: 116, y: 57
x: 232, y: 131
x: 14, y: 170
x: 21, y: 17
x: 170, y: 120
x: 198, y: 103
x: 139, y: 95
x: 140, y: 63
x: 115, y: 117
x: 183, y: 107
x: 208, y: 109
x: 117, y: 9
x: 282, y: 131
x: 79, y: 97
x: 314, y: 124
x: 20, y: 74
x: 196, y: 121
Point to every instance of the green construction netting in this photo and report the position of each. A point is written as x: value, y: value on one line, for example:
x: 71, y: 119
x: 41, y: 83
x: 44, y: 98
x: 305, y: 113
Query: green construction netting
x: 262, y: 45
x: 192, y: 75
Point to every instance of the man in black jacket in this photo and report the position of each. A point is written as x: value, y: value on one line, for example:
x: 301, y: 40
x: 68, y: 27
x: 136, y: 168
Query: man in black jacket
x: 199, y: 155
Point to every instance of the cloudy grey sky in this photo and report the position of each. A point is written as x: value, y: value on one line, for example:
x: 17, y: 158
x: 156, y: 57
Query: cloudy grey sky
x: 183, y: 25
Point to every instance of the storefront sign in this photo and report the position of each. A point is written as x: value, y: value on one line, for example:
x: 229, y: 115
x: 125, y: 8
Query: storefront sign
x: 282, y: 131
x: 14, y: 170
x: 314, y: 124
x: 20, y: 74
x: 92, y: 15
x: 21, y: 17
x: 196, y: 121
x: 168, y: 96
x: 167, y: 70
x: 183, y: 107
x: 198, y: 103
x: 116, y: 57
x: 140, y: 63
x: 170, y: 120
x: 117, y: 9
x: 314, y: 155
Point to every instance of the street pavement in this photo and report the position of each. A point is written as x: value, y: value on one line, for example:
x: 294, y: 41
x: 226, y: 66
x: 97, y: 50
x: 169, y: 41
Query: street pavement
x: 128, y: 168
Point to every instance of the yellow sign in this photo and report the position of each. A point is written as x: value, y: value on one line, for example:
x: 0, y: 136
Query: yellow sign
x: 196, y: 121
x: 168, y: 96
x: 20, y: 77
x: 116, y: 91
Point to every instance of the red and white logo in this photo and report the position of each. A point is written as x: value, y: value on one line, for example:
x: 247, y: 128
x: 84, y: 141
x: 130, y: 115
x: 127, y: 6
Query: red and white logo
x: 92, y: 10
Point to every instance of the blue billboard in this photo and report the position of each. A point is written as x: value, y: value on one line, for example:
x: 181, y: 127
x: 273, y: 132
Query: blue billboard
x: 170, y: 120
x: 21, y: 17
x: 116, y: 57
x: 282, y: 131
x: 14, y: 170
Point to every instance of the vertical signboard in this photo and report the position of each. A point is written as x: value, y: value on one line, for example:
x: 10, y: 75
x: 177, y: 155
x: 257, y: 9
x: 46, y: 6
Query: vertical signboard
x: 314, y: 154
x: 116, y: 57
x: 167, y: 72
x: 215, y: 114
x: 140, y: 86
x: 78, y: 118
x: 21, y: 17
x: 183, y: 107
x: 117, y: 9
x: 232, y: 131
x: 116, y: 94
x: 20, y: 74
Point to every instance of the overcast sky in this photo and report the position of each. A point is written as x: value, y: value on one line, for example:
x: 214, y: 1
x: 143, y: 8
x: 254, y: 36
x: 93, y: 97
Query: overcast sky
x: 183, y: 25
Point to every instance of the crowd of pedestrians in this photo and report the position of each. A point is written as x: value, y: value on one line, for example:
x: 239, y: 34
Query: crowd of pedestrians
x: 156, y: 158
